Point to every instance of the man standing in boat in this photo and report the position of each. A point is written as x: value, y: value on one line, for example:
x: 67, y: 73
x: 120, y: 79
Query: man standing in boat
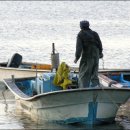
x: 89, y: 48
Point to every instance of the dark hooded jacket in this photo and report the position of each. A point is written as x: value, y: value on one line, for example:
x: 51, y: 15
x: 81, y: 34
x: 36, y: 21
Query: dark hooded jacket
x: 88, y: 44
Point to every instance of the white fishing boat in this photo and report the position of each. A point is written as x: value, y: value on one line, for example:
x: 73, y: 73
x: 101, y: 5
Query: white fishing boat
x: 16, y: 67
x: 75, y: 105
x: 26, y: 69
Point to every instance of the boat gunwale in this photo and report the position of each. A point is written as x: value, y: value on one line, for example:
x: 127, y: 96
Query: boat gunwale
x: 24, y: 69
x: 9, y: 81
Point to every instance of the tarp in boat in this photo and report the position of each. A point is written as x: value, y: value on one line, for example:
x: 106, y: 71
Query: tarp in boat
x: 62, y: 76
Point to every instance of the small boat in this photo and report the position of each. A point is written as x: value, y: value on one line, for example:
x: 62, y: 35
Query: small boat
x: 91, y: 106
x: 26, y: 69
x: 16, y: 67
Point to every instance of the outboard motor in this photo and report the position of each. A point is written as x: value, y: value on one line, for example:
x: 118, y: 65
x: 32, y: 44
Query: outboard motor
x: 15, y: 61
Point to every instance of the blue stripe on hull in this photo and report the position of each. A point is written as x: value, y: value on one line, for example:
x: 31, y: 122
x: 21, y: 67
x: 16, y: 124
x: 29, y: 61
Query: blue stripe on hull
x: 92, y: 112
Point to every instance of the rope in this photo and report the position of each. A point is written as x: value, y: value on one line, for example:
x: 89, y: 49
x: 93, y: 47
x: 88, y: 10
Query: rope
x: 110, y: 98
x: 109, y: 86
x: 103, y: 63
x: 36, y: 77
x: 5, y: 102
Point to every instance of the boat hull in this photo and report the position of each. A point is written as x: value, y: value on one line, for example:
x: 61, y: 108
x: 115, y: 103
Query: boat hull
x: 84, y: 106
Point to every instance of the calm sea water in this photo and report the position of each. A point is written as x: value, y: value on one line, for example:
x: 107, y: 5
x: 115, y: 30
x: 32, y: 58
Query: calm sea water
x: 30, y: 28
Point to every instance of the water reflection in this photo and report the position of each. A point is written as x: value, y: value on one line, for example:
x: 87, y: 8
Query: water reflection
x: 7, y: 119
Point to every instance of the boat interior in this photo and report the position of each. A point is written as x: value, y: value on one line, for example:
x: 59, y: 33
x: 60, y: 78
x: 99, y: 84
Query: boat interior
x: 122, y: 78
x: 42, y: 84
